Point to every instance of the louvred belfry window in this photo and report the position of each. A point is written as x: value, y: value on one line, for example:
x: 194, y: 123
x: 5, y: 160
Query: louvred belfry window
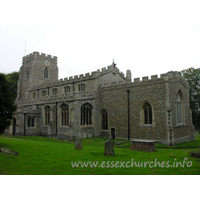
x: 46, y: 73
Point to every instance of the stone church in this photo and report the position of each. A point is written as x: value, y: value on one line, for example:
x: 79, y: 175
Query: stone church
x: 103, y: 103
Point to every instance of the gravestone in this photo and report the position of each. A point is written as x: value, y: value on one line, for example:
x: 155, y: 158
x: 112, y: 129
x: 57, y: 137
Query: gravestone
x: 109, y: 148
x: 77, y: 142
x: 8, y: 151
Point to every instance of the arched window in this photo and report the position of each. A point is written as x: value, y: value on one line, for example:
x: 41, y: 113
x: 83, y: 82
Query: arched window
x: 27, y: 72
x: 86, y: 114
x: 179, y: 108
x: 104, y: 120
x: 64, y: 115
x: 81, y: 87
x: 147, y: 113
x: 46, y: 73
x: 47, y: 111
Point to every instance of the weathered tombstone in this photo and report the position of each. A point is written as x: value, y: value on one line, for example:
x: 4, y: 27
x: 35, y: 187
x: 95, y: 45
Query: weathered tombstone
x: 8, y: 151
x: 109, y: 148
x: 77, y: 142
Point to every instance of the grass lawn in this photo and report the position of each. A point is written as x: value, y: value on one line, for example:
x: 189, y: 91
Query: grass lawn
x: 48, y: 156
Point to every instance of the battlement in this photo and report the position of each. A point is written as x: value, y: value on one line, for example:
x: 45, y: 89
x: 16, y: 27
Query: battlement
x: 37, y: 55
x: 145, y: 79
x: 93, y: 74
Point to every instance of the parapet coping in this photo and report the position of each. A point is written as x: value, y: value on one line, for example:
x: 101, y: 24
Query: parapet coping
x: 35, y: 54
x: 144, y: 80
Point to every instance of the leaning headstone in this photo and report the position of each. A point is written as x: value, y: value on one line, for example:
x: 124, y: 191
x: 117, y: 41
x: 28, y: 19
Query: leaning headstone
x: 77, y: 142
x: 109, y: 148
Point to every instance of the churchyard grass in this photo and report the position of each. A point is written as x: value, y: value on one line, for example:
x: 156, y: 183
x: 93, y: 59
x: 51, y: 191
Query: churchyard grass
x: 49, y: 156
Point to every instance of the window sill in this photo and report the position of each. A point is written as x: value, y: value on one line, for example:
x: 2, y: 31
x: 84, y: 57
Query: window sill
x: 147, y: 125
x: 87, y: 126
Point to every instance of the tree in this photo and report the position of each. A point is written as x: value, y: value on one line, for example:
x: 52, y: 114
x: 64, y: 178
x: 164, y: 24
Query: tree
x: 12, y: 78
x: 7, y: 105
x: 192, y: 76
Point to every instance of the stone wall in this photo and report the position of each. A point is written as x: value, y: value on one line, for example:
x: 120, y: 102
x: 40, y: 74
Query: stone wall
x: 114, y: 99
x: 106, y: 89
x: 186, y: 129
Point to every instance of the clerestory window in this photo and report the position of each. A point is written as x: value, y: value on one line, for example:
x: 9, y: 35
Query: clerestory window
x: 55, y: 91
x: 67, y: 89
x: 81, y: 87
x: 44, y: 93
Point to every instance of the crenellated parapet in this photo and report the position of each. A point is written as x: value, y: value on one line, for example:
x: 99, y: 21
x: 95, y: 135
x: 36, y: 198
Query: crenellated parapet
x: 138, y: 81
x: 40, y: 56
x: 78, y: 78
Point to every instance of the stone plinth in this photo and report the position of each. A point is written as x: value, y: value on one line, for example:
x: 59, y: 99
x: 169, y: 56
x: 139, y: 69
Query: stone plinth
x: 143, y: 145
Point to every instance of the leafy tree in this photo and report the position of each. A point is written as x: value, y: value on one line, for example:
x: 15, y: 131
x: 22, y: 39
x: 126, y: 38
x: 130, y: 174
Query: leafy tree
x: 12, y: 78
x: 7, y: 105
x: 192, y: 76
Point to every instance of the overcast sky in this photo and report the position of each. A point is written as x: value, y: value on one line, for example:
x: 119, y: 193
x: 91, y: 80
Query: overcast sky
x: 147, y: 37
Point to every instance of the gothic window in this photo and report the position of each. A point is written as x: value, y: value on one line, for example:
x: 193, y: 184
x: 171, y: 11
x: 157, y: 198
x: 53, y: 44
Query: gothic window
x: 55, y: 91
x: 47, y: 110
x: 64, y: 115
x: 67, y: 89
x: 81, y: 87
x: 31, y: 121
x: 179, y: 109
x: 147, y: 113
x: 44, y: 93
x: 86, y: 114
x: 46, y: 73
x: 27, y: 72
x: 104, y: 120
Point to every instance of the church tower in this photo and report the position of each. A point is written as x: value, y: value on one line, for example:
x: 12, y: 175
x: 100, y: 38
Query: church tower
x: 36, y: 68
